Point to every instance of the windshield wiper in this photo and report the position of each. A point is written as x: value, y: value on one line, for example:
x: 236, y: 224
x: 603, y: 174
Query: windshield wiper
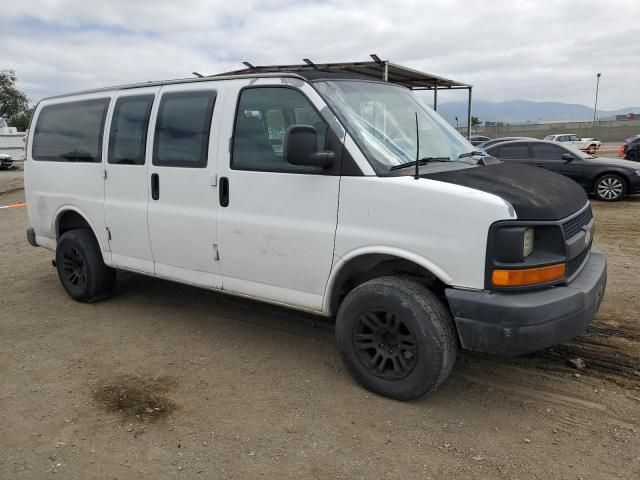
x: 471, y: 154
x: 422, y: 161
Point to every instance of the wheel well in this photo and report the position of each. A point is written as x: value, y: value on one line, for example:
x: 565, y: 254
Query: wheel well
x: 367, y: 267
x: 70, y: 220
x: 624, y: 180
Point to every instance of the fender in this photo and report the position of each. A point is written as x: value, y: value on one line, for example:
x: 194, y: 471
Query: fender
x: 103, y: 244
x: 340, y: 262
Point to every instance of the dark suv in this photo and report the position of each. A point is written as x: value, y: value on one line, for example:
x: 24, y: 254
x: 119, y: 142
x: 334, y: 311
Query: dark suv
x: 609, y: 179
x: 631, y: 148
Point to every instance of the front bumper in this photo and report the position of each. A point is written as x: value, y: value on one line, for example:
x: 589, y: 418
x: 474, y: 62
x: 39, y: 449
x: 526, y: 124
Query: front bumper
x: 634, y: 183
x: 517, y: 323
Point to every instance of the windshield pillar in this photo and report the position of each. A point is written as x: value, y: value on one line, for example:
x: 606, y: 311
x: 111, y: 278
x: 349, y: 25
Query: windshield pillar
x: 469, y: 116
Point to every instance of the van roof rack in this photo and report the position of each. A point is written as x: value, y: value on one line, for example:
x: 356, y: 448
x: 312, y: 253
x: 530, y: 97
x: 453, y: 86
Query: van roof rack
x: 374, y: 69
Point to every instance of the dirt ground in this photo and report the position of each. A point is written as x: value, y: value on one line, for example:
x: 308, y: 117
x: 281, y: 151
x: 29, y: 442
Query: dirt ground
x: 169, y: 381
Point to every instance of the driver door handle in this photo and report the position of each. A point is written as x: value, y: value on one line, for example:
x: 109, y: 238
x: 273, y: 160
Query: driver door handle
x: 155, y: 186
x: 223, y: 191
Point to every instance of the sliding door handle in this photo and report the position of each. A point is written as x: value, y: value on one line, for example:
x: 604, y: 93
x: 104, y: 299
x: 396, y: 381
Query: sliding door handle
x: 155, y: 186
x: 223, y: 191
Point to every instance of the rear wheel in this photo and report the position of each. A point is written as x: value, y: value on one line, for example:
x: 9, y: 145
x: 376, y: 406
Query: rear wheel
x: 396, y: 338
x: 81, y: 270
x: 610, y: 187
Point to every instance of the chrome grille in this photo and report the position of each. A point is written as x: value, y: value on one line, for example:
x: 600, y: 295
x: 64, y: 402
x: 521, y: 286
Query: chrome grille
x: 573, y: 226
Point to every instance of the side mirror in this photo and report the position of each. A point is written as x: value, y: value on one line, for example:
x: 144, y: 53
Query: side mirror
x: 301, y: 147
x: 568, y: 157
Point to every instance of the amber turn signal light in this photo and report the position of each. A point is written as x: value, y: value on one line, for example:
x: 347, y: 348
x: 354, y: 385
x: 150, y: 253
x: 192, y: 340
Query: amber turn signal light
x: 528, y: 276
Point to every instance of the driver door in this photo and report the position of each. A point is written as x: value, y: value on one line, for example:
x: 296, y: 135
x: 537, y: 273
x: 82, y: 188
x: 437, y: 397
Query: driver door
x: 277, y: 221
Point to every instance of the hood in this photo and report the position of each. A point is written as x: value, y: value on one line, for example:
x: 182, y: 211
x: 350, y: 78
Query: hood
x: 614, y: 162
x: 535, y: 193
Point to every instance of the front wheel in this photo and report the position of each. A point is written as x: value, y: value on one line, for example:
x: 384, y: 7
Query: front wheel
x: 81, y: 270
x: 610, y: 187
x: 591, y: 149
x: 396, y: 338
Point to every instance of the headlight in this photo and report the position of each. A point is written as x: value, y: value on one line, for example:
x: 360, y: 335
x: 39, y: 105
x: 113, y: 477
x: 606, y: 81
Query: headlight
x: 527, y: 244
x: 513, y: 244
x: 525, y: 255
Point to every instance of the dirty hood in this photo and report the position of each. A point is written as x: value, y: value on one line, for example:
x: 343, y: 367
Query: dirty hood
x: 535, y: 193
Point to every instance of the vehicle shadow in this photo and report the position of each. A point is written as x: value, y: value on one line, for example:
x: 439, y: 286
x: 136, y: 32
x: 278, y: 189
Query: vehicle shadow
x: 238, y: 314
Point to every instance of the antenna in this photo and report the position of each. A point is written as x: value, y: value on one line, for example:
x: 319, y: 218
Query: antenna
x: 417, y: 175
x: 248, y: 65
x: 199, y: 75
x: 309, y: 62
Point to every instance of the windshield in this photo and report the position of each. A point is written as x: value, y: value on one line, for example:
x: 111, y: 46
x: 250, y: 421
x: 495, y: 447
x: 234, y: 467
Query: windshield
x: 382, y: 119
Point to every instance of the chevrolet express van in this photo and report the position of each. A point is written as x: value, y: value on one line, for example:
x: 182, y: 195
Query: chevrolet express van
x: 330, y: 193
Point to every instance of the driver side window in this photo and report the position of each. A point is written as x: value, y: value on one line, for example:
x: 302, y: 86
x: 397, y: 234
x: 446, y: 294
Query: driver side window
x: 544, y: 151
x: 263, y: 116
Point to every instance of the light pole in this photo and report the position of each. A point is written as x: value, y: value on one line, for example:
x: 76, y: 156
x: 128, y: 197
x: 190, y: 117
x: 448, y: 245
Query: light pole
x: 457, y: 125
x: 595, y: 105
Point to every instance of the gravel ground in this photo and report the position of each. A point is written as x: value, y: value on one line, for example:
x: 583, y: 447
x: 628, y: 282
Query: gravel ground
x: 169, y: 381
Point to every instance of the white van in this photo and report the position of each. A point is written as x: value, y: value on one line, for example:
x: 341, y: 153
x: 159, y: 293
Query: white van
x: 303, y: 191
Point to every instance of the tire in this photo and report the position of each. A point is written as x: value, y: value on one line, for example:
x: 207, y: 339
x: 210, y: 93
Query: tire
x: 591, y: 149
x: 633, y: 156
x: 610, y: 188
x: 396, y: 338
x: 81, y: 270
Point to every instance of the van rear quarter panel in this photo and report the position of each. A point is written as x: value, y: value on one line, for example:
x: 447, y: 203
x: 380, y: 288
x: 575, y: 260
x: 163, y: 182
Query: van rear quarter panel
x: 442, y: 227
x: 54, y: 187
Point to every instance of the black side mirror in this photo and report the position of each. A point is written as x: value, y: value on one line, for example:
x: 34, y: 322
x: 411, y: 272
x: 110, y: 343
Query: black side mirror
x: 568, y: 157
x: 301, y: 147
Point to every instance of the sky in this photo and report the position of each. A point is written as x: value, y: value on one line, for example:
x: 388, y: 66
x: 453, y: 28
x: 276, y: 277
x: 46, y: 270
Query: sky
x: 508, y: 49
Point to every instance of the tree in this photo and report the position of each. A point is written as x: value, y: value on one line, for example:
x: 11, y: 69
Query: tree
x: 14, y: 104
x: 475, y: 122
x: 21, y: 120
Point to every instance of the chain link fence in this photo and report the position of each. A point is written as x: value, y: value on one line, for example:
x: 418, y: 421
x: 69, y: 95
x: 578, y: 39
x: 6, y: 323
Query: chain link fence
x: 603, y: 130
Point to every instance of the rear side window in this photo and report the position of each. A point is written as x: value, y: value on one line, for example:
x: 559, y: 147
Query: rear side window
x: 515, y: 151
x: 128, y: 134
x: 182, y: 129
x: 70, y: 132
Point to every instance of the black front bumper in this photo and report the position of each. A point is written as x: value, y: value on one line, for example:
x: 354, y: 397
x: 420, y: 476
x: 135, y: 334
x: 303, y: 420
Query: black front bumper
x: 517, y: 323
x: 634, y: 183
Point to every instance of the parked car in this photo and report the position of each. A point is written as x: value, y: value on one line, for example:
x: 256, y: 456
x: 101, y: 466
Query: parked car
x: 589, y: 145
x: 5, y: 161
x: 477, y: 139
x: 343, y: 217
x: 609, y: 179
x: 488, y: 143
x: 631, y: 148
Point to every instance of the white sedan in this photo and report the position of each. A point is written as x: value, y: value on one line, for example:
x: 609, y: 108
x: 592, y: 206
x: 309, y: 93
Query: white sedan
x: 589, y: 145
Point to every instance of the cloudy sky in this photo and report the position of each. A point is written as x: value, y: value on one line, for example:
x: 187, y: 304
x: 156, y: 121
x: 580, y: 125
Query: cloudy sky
x: 508, y: 49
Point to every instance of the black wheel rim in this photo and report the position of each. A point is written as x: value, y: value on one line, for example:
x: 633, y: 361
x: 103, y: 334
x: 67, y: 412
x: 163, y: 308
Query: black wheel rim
x: 74, y: 268
x: 385, y: 344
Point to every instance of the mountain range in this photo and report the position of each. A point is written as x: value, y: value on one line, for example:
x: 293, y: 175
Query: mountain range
x: 517, y: 111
